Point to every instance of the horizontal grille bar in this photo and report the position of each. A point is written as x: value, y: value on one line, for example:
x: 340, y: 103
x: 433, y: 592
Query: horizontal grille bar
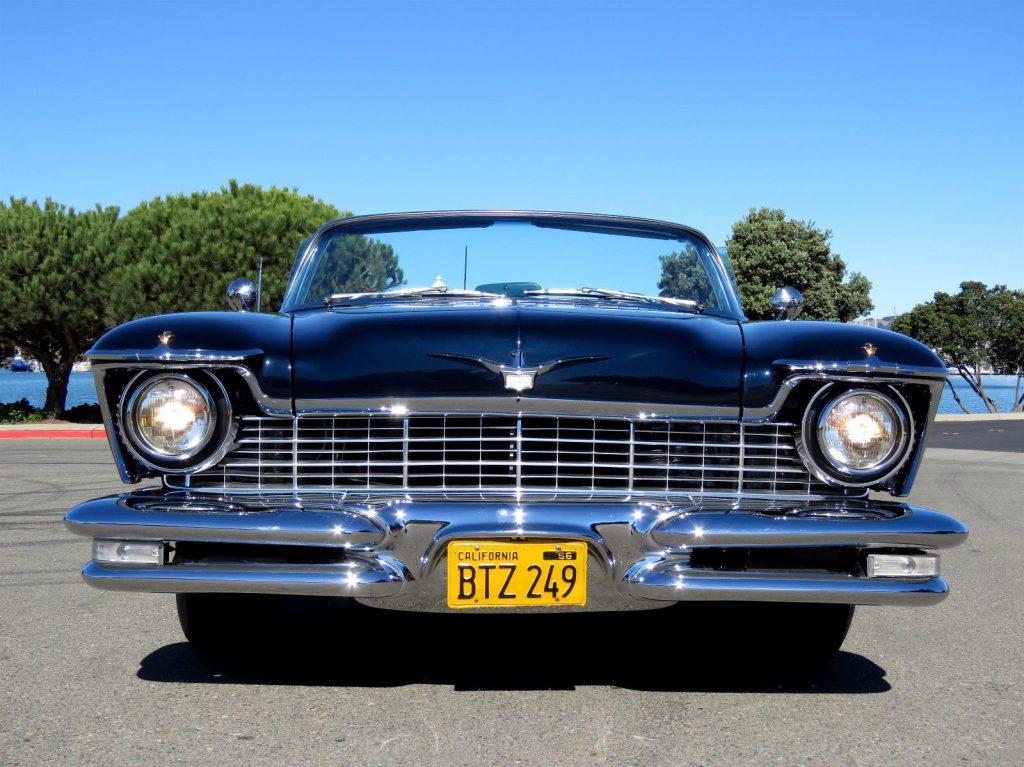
x: 509, y: 455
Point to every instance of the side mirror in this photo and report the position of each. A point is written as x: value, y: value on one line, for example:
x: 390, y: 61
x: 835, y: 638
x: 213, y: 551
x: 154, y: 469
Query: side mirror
x: 242, y: 295
x: 787, y: 303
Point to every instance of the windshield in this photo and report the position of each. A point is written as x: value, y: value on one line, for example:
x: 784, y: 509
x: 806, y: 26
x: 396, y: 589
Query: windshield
x: 535, y: 260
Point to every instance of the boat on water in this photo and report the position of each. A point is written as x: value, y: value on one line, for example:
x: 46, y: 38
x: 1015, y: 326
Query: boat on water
x: 18, y: 365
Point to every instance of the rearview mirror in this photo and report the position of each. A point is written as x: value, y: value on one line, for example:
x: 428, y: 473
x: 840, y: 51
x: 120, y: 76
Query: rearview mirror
x: 242, y: 295
x: 787, y: 303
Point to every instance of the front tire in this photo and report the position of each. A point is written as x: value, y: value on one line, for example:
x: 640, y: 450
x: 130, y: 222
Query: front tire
x: 230, y: 626
x: 767, y: 637
x: 802, y: 637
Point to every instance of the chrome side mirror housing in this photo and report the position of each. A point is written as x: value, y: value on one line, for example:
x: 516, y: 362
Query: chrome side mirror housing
x: 242, y: 295
x: 787, y: 303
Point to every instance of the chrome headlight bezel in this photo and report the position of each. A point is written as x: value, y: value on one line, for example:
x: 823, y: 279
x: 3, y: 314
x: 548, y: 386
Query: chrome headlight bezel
x: 822, y: 465
x: 211, y: 449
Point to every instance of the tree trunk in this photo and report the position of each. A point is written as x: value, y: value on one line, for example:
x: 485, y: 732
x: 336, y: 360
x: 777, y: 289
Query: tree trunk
x: 972, y: 375
x: 956, y: 397
x: 965, y: 374
x: 1018, y: 400
x: 989, y: 402
x: 58, y: 373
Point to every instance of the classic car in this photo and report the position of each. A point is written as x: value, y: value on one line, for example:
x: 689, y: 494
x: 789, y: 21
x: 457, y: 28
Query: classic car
x: 533, y: 444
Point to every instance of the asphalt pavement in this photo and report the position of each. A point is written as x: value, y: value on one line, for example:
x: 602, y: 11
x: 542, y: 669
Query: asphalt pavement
x: 989, y: 435
x: 90, y: 677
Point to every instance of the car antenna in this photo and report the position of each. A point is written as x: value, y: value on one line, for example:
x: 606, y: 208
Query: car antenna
x: 465, y: 266
x: 259, y: 284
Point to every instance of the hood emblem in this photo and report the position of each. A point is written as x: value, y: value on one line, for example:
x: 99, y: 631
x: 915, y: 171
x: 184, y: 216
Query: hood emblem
x: 518, y: 377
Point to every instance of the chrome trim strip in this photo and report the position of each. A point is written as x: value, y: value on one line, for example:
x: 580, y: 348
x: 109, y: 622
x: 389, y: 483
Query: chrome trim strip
x: 767, y: 413
x: 113, y: 438
x: 276, y: 406
x: 912, y: 527
x: 169, y: 357
x: 145, y: 519
x: 353, y: 578
x: 694, y: 585
x: 508, y: 405
x: 866, y: 365
x: 505, y: 494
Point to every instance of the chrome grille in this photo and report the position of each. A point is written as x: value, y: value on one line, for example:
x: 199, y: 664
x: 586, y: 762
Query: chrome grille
x: 509, y: 455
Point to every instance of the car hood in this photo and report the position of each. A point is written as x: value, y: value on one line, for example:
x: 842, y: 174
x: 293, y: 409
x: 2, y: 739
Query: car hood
x: 355, y: 357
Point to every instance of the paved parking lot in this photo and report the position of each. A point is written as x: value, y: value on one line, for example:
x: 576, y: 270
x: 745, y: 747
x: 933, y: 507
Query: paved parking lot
x: 89, y: 677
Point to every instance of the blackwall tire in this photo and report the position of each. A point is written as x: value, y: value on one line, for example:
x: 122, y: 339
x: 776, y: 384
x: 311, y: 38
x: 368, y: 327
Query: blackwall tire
x: 230, y: 626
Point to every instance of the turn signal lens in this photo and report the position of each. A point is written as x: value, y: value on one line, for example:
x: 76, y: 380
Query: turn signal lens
x: 860, y: 431
x: 902, y: 565
x: 173, y: 417
x: 128, y: 552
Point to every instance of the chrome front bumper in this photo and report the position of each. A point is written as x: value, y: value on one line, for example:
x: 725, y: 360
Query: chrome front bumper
x: 391, y: 554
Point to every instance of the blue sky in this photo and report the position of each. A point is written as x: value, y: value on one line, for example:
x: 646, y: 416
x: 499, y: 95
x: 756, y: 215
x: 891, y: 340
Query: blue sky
x: 898, y: 125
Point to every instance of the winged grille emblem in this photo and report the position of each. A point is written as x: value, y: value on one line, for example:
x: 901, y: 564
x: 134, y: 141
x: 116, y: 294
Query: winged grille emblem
x: 518, y: 377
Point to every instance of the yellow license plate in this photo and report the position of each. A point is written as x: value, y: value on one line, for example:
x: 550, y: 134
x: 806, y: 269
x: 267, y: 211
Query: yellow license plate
x: 505, y: 574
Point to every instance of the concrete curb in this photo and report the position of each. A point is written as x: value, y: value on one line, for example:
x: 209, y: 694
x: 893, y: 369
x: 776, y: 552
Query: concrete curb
x: 52, y: 431
x: 980, y: 417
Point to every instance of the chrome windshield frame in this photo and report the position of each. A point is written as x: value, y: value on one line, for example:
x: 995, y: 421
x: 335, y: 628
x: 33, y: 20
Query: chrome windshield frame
x: 439, y: 219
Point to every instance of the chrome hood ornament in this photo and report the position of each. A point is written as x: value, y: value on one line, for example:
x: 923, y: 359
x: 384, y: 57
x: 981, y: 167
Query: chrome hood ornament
x: 518, y: 377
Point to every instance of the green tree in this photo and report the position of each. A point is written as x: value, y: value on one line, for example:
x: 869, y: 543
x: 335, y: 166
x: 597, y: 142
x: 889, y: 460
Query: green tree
x: 683, y: 275
x: 180, y: 251
x: 55, y: 276
x: 1008, y: 341
x: 354, y: 264
x: 976, y: 328
x: 769, y: 251
x: 66, y: 277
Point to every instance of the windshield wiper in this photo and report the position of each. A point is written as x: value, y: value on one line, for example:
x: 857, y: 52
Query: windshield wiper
x: 425, y: 292
x: 621, y: 295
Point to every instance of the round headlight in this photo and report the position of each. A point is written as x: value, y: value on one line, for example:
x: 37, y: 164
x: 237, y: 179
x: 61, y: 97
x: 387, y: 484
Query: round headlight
x: 171, y: 417
x: 861, y: 434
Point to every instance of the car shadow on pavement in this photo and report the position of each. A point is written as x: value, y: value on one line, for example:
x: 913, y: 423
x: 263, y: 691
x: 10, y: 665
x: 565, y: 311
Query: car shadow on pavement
x: 679, y: 650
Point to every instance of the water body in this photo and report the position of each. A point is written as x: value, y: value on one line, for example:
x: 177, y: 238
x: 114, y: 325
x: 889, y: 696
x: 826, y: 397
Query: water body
x: 999, y: 389
x: 32, y: 386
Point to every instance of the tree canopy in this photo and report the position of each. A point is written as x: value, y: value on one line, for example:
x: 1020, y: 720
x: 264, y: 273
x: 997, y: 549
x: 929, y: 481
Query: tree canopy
x: 179, y: 251
x: 683, y: 275
x: 979, y: 327
x: 57, y: 267
x: 769, y: 251
x: 66, y: 277
x: 354, y: 264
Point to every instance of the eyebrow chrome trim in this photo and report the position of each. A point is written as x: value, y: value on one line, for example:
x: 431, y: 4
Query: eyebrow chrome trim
x: 848, y: 373
x: 269, y: 405
x: 194, y: 355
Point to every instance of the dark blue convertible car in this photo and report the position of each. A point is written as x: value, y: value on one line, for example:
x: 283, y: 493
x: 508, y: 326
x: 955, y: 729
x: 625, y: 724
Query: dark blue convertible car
x: 556, y: 438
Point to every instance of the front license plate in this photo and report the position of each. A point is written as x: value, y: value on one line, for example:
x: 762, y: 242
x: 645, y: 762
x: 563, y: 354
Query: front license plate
x: 503, y: 574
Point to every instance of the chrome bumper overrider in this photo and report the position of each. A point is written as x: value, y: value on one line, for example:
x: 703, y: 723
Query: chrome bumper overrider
x: 390, y: 553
